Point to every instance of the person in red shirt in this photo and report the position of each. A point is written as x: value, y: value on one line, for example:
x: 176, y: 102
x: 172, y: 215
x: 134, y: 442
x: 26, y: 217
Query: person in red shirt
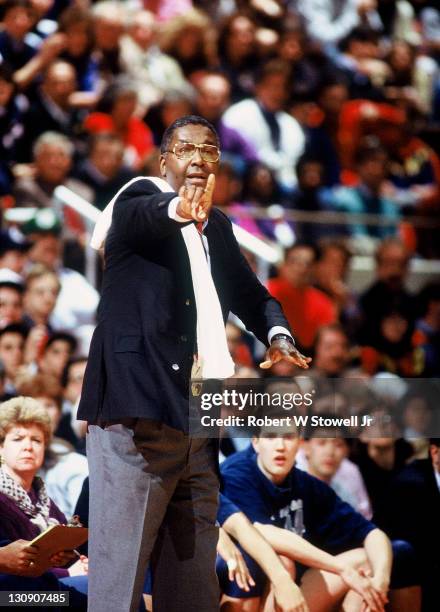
x: 120, y: 102
x: 305, y: 307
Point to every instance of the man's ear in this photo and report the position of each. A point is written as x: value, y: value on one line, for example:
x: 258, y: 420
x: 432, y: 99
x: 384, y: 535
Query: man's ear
x: 162, y: 166
x: 255, y: 441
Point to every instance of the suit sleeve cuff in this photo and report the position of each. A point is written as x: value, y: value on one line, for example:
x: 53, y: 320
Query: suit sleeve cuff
x: 172, y: 208
x: 278, y: 329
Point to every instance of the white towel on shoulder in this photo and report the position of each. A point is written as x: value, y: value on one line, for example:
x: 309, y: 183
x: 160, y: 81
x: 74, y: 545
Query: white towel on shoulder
x: 213, y: 354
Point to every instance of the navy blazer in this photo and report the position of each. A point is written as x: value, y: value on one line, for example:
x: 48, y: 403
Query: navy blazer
x: 142, y: 349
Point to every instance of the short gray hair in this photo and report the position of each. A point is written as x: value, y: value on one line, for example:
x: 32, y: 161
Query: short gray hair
x: 53, y: 139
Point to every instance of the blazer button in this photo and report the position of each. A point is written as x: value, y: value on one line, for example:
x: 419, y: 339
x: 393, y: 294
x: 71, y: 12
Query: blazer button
x: 187, y: 302
x: 175, y: 367
x: 184, y: 338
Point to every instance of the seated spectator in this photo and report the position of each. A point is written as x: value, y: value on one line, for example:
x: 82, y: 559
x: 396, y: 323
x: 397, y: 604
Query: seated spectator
x: 11, y: 125
x: 17, y: 21
x: 414, y: 171
x: 11, y: 301
x: 213, y: 97
x: 12, y: 342
x: 259, y: 186
x: 25, y: 507
x: 331, y: 373
x: 51, y: 110
x: 238, y: 348
x: 76, y: 305
x: 13, y: 253
x: 76, y: 24
x: 371, y: 162
x: 52, y: 158
x: 186, y: 38
x: 417, y: 416
x: 260, y: 190
x: 414, y: 178
x: 286, y: 497
x: 331, y: 277
x: 275, y: 135
x: 305, y: 307
x: 108, y: 28
x: 41, y: 293
x: 119, y: 104
x: 427, y: 329
x: 380, y: 460
x: 390, y: 348
x: 309, y: 196
x: 55, y: 354
x: 103, y: 170
x: 360, y: 60
x: 227, y: 187
x: 154, y: 72
x: 329, y: 22
x: 175, y: 104
x: 326, y: 458
x: 237, y: 49
x: 63, y: 469
x: 412, y: 77
x: 388, y: 287
x: 322, y: 137
x: 413, y: 510
x: 69, y: 428
x: 294, y: 47
x: 26, y: 62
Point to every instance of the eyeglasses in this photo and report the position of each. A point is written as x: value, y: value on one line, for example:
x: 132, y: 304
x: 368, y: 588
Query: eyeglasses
x: 186, y: 150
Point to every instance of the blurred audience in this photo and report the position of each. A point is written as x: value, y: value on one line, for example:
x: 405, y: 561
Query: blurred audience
x: 118, y: 117
x: 52, y: 162
x: 104, y: 170
x: 326, y: 111
x: 306, y: 308
x: 275, y: 135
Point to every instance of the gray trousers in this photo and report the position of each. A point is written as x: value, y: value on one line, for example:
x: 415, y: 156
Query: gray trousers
x: 153, y: 499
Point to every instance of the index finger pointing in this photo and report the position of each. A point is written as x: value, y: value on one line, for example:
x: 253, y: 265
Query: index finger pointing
x: 210, y: 184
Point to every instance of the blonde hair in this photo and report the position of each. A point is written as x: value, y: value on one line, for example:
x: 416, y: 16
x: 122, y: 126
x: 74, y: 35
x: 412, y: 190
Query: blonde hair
x: 24, y: 411
x: 39, y: 270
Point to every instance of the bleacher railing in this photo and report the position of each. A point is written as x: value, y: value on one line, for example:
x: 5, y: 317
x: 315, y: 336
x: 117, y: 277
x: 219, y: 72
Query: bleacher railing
x: 266, y: 252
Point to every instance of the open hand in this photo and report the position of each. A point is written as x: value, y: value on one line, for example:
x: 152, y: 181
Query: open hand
x: 283, y: 349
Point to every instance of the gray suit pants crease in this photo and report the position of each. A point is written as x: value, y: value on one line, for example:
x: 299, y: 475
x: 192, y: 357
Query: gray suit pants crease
x: 153, y: 499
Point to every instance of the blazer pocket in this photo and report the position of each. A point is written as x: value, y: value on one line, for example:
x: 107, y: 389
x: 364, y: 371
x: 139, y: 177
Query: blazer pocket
x: 130, y: 344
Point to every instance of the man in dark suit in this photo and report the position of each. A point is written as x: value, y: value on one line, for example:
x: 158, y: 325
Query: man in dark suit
x: 153, y: 486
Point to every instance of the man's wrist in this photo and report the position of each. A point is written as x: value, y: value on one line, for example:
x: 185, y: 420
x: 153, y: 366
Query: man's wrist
x: 282, y: 337
x: 173, y: 208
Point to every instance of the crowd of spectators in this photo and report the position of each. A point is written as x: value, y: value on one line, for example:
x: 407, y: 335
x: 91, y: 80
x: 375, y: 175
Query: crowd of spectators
x: 328, y: 114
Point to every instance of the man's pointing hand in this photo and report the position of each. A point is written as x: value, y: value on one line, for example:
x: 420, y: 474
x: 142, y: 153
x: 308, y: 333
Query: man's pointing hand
x: 196, y: 201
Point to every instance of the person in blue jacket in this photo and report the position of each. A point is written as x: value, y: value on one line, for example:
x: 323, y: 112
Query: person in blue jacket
x: 280, y: 499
